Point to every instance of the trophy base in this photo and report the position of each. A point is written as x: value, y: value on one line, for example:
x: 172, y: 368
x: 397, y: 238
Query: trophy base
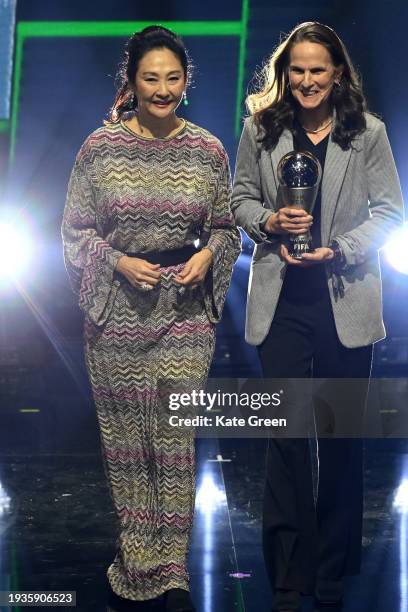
x: 300, y: 245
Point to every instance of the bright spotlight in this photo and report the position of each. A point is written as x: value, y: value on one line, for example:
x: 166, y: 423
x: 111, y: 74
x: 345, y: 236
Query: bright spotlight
x: 14, y: 250
x: 396, y: 250
x: 401, y: 498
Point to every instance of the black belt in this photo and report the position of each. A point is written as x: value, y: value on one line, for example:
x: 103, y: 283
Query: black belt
x: 167, y: 258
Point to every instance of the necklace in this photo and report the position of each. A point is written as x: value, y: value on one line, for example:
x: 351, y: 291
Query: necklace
x: 171, y: 133
x: 320, y: 129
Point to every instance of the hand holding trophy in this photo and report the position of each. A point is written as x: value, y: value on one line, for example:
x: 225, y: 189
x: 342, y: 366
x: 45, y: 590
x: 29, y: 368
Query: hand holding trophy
x: 299, y: 175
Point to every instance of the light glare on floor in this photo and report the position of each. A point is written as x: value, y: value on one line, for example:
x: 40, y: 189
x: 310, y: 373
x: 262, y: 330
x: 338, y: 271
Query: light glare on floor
x: 209, y: 496
x: 4, y: 501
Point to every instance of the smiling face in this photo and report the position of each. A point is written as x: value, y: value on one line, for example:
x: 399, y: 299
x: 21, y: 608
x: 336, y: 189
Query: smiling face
x: 312, y: 75
x: 159, y: 84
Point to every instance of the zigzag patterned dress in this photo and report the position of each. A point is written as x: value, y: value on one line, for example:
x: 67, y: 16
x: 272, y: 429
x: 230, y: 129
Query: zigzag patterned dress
x: 132, y: 194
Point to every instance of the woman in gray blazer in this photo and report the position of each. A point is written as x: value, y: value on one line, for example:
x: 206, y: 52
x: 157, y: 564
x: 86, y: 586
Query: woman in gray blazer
x: 319, y: 315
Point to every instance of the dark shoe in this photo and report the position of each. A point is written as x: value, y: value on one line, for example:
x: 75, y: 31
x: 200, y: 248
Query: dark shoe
x: 116, y: 603
x: 286, y: 600
x: 329, y: 595
x: 178, y: 600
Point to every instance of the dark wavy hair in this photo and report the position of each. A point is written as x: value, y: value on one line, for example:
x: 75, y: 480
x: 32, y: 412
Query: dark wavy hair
x: 140, y: 43
x: 274, y: 107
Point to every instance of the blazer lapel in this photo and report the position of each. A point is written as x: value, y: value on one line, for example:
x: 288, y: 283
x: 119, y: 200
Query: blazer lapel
x: 335, y: 167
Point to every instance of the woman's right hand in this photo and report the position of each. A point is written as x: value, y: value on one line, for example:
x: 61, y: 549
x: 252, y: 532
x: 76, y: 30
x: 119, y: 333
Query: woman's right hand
x: 139, y: 272
x: 289, y: 220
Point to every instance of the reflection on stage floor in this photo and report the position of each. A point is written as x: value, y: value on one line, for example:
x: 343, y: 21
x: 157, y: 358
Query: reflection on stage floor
x: 57, y: 525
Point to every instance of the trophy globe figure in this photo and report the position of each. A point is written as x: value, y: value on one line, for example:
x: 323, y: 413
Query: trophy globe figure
x: 299, y: 176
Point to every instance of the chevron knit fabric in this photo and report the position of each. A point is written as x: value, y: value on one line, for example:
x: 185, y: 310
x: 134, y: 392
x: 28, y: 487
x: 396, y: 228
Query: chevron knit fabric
x: 132, y: 194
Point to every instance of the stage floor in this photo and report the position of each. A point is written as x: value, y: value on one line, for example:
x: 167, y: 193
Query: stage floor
x: 57, y: 529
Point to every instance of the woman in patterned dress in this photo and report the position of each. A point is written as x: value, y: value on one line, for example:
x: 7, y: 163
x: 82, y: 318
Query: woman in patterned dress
x: 144, y: 188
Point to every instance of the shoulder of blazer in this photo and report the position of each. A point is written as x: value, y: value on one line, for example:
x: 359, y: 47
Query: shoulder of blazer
x: 363, y: 141
x: 249, y: 124
x: 253, y: 130
x: 372, y: 121
x: 374, y: 126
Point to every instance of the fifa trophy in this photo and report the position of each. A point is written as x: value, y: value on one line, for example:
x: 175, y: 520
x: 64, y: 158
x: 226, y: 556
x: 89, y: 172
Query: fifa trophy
x: 299, y: 175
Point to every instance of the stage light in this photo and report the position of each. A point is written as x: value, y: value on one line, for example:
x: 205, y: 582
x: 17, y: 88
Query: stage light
x: 401, y: 498
x: 14, y: 250
x: 396, y: 250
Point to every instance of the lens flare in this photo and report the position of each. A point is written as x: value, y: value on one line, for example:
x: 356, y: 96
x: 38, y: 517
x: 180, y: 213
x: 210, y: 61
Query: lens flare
x: 14, y: 250
x: 396, y: 250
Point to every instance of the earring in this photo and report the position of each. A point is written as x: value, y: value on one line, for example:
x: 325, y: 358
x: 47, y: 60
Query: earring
x: 185, y: 99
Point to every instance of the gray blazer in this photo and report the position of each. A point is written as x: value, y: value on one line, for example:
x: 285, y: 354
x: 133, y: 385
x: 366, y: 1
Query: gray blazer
x: 361, y: 205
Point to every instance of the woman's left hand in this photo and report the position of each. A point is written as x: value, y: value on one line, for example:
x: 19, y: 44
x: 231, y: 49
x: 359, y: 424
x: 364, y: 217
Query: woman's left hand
x: 319, y: 256
x: 195, y: 269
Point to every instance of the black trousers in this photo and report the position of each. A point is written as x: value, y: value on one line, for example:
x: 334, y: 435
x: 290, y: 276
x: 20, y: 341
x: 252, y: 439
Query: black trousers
x: 307, y: 542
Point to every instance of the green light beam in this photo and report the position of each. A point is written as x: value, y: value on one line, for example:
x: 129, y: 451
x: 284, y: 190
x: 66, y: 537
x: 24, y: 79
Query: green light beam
x: 56, y: 29
x: 241, y: 65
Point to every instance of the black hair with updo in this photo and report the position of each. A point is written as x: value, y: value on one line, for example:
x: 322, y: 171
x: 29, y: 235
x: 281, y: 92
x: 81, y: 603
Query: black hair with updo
x: 140, y: 43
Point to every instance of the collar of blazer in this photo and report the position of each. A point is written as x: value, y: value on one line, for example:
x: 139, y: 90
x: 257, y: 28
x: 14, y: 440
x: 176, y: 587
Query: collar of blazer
x: 335, y: 168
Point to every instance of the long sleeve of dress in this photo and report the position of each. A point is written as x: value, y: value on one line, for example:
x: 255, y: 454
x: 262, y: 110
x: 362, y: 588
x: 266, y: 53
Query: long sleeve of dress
x: 222, y: 237
x: 90, y: 260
